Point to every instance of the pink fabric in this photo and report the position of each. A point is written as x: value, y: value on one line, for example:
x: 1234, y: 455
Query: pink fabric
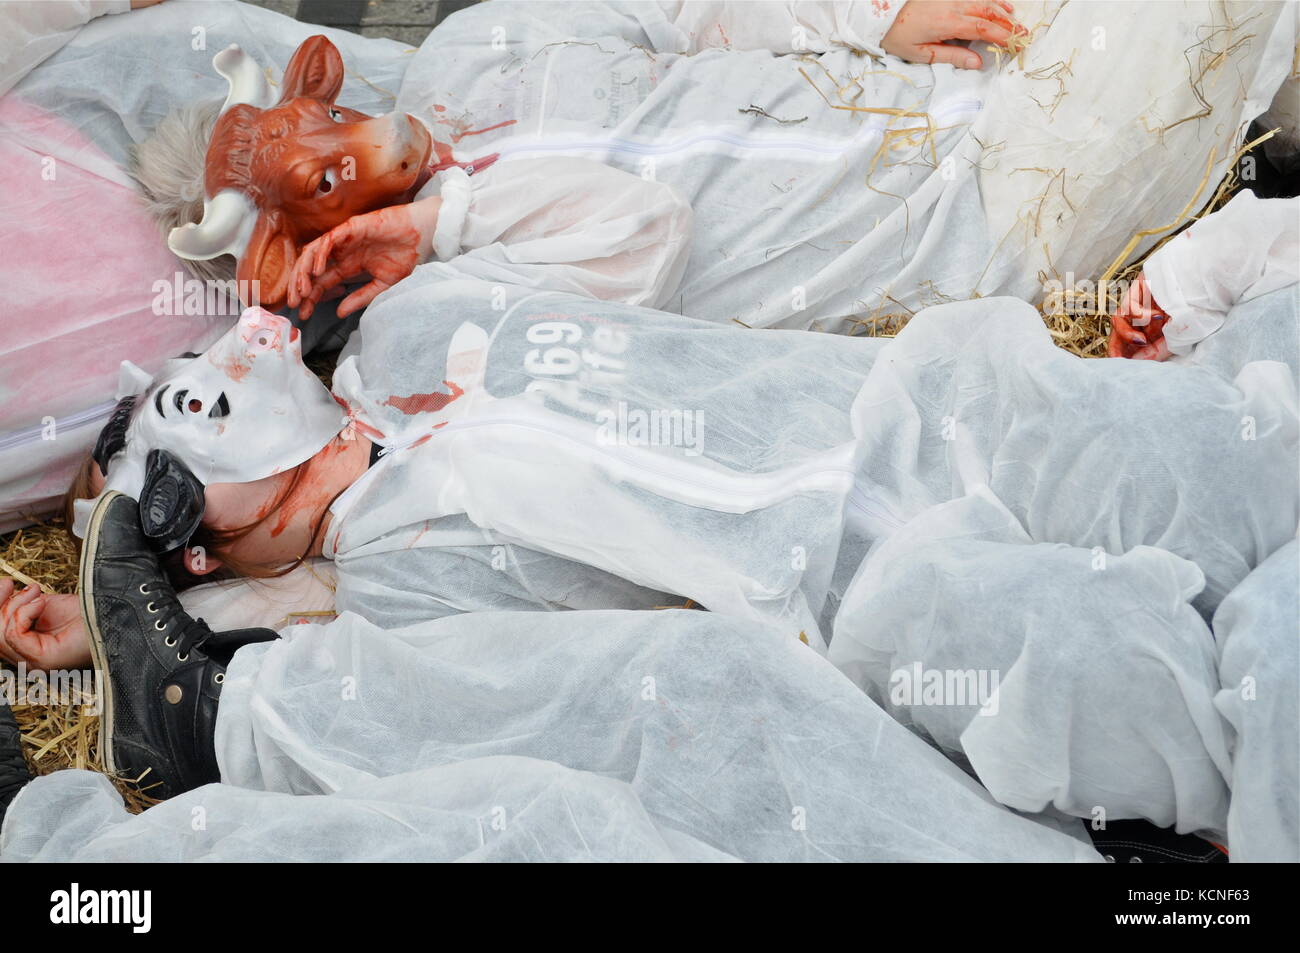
x: 80, y: 261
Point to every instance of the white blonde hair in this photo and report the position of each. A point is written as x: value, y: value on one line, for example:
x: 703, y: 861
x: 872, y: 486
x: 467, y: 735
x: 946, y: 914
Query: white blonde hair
x: 169, y: 167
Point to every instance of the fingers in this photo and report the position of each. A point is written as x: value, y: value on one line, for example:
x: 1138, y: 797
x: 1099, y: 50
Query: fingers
x: 1159, y: 351
x: 21, y: 599
x: 25, y: 647
x: 976, y: 28
x: 361, y: 297
x: 957, y: 56
x: 29, y: 613
x: 298, y: 276
x: 994, y: 12
x: 324, y: 284
x: 311, y: 262
x: 1123, y: 329
x: 327, y: 244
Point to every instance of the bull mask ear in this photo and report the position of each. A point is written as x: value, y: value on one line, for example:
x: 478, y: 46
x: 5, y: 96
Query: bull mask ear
x: 315, y: 70
x: 171, y: 502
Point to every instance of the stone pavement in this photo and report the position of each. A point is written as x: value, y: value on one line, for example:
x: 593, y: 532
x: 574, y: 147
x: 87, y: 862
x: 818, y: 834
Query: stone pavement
x: 406, y: 20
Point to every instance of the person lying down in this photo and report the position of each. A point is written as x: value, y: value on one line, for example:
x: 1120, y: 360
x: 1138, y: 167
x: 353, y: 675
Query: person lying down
x: 489, y: 448
x: 879, y: 186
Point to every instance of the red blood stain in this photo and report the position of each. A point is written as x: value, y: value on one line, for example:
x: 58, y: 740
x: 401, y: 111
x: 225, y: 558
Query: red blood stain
x: 234, y: 368
x: 425, y: 403
x: 445, y: 160
x: 439, y: 109
x: 359, y: 426
x: 464, y: 133
x: 313, y: 490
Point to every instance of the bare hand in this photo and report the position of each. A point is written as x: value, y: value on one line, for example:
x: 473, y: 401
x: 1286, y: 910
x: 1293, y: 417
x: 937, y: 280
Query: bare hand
x: 386, y: 245
x: 923, y: 29
x: 1137, y: 328
x: 44, y: 631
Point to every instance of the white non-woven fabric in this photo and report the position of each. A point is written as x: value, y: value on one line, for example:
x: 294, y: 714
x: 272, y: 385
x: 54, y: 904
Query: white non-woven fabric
x: 1246, y: 249
x: 120, y: 75
x: 567, y: 224
x: 711, y: 463
x: 1266, y: 328
x: 1063, y: 676
x: 453, y: 812
x: 31, y: 30
x: 1258, y: 635
x: 1092, y: 453
x: 829, y: 185
x: 587, y: 735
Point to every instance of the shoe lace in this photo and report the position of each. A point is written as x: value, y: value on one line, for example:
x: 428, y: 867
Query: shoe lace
x: 193, y: 634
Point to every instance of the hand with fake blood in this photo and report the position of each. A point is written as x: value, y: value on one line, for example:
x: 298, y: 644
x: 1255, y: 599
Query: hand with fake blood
x: 42, y: 630
x: 930, y: 31
x: 1137, y: 328
x: 385, y: 245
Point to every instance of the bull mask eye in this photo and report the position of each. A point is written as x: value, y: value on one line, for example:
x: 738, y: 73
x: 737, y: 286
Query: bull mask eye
x: 327, y: 182
x: 195, y: 405
x: 336, y: 115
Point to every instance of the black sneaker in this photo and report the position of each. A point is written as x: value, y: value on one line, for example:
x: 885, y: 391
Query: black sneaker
x: 1139, y: 842
x: 13, y: 766
x: 159, y: 686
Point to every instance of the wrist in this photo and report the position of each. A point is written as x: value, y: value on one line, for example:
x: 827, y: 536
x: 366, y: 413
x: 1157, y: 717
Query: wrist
x: 424, y: 215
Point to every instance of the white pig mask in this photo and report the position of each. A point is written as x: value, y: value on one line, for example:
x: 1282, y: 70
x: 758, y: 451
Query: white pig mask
x: 245, y: 409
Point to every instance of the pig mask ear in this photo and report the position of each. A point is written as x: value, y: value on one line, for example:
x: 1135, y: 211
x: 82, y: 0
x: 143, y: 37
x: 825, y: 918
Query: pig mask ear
x: 268, y: 260
x: 315, y: 71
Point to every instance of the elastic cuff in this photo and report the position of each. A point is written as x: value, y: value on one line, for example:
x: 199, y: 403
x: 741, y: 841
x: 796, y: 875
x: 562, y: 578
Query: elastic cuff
x: 879, y: 21
x: 456, y: 192
x: 1167, y: 294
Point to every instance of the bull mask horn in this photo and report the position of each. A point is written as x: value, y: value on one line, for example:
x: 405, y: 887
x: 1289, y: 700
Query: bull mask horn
x: 228, y: 218
x: 248, y: 84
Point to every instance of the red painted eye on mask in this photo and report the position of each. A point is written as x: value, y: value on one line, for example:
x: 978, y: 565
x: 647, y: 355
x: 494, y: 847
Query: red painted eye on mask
x: 194, y: 406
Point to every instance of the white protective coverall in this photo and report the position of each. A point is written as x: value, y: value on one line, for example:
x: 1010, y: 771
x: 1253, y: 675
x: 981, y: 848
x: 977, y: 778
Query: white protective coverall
x: 543, y: 708
x: 671, y: 735
x: 1040, y: 531
x: 516, y: 475
x: 1259, y: 669
x: 1244, y: 250
x: 830, y: 185
x: 34, y: 30
x: 545, y: 450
